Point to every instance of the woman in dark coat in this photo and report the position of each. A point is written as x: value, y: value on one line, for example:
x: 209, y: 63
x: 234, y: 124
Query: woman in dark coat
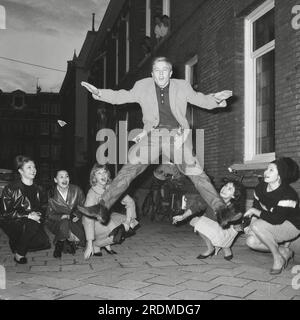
x: 63, y: 218
x: 23, y: 206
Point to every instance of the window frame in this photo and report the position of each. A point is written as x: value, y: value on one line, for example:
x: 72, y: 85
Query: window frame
x: 166, y: 7
x: 127, y: 67
x: 250, y: 155
x: 117, y: 59
x: 166, y: 10
x: 148, y: 18
x: 189, y: 65
x: 104, y: 71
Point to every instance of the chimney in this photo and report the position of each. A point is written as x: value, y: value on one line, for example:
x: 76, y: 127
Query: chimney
x: 93, y: 23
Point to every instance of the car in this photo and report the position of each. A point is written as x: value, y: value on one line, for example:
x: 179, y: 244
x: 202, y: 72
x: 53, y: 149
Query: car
x: 6, y: 176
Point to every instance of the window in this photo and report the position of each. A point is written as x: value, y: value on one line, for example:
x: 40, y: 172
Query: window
x: 55, y: 109
x: 55, y: 129
x: 127, y: 45
x: 2, y: 18
x: 104, y: 71
x: 55, y: 152
x: 116, y: 37
x: 164, y: 6
x: 192, y: 77
x: 259, y: 84
x: 148, y: 18
x: 44, y: 128
x: 44, y: 151
x: 18, y: 101
x: 45, y: 108
x: 44, y: 171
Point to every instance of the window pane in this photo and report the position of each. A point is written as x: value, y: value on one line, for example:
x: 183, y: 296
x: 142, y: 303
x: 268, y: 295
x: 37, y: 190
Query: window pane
x: 263, y: 30
x: 265, y: 113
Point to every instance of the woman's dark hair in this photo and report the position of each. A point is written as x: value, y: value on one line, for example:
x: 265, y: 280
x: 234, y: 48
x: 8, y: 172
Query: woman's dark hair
x: 20, y: 160
x: 58, y: 170
x: 239, y: 200
x: 288, y: 169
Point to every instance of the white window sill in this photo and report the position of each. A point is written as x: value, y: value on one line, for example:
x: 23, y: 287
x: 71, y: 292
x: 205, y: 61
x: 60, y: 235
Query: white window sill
x: 249, y: 166
x: 260, y: 162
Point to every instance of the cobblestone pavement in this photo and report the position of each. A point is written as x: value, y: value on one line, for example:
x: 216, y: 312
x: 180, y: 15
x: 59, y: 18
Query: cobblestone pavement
x: 158, y: 263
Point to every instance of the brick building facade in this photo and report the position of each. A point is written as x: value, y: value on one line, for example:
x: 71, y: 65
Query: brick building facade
x: 251, y: 47
x: 28, y: 125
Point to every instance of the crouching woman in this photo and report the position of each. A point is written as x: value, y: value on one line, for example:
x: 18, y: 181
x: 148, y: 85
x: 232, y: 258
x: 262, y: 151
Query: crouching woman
x: 23, y: 206
x: 63, y: 218
x: 275, y: 213
x: 219, y: 234
x: 119, y: 226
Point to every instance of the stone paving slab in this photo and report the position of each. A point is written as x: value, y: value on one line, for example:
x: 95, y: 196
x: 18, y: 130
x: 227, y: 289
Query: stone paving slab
x: 162, y: 263
x: 227, y: 298
x: 153, y: 296
x: 166, y: 280
x: 198, y: 285
x: 257, y: 295
x: 131, y: 284
x: 193, y: 295
x: 230, y: 272
x: 160, y: 289
x: 51, y: 282
x: 233, y: 291
x: 80, y: 297
x: 105, y: 292
x: 199, y: 276
x: 266, y: 287
x: 290, y: 292
x: 256, y: 276
x: 15, y: 291
x: 236, y: 282
x: 45, y: 294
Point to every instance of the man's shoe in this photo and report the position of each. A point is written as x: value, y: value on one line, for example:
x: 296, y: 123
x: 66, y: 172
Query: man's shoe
x: 98, y: 211
x: 69, y: 247
x: 98, y: 254
x: 201, y: 256
x: 118, y: 234
x: 22, y: 260
x: 58, y: 249
x: 110, y: 251
x: 225, y: 215
x: 129, y: 233
x: 228, y: 258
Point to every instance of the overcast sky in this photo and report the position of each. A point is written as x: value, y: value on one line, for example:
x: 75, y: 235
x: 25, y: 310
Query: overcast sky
x: 43, y: 32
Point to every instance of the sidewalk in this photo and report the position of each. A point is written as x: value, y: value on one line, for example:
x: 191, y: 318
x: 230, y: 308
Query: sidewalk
x: 158, y: 263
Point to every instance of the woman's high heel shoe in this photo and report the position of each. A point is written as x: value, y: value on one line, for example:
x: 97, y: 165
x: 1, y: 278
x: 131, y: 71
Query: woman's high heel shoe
x: 228, y: 258
x: 111, y: 251
x: 98, y: 254
x: 201, y: 256
x: 290, y: 258
x: 278, y: 271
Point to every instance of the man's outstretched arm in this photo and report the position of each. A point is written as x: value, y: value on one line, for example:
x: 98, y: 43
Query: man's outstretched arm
x: 210, y: 101
x: 111, y: 96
